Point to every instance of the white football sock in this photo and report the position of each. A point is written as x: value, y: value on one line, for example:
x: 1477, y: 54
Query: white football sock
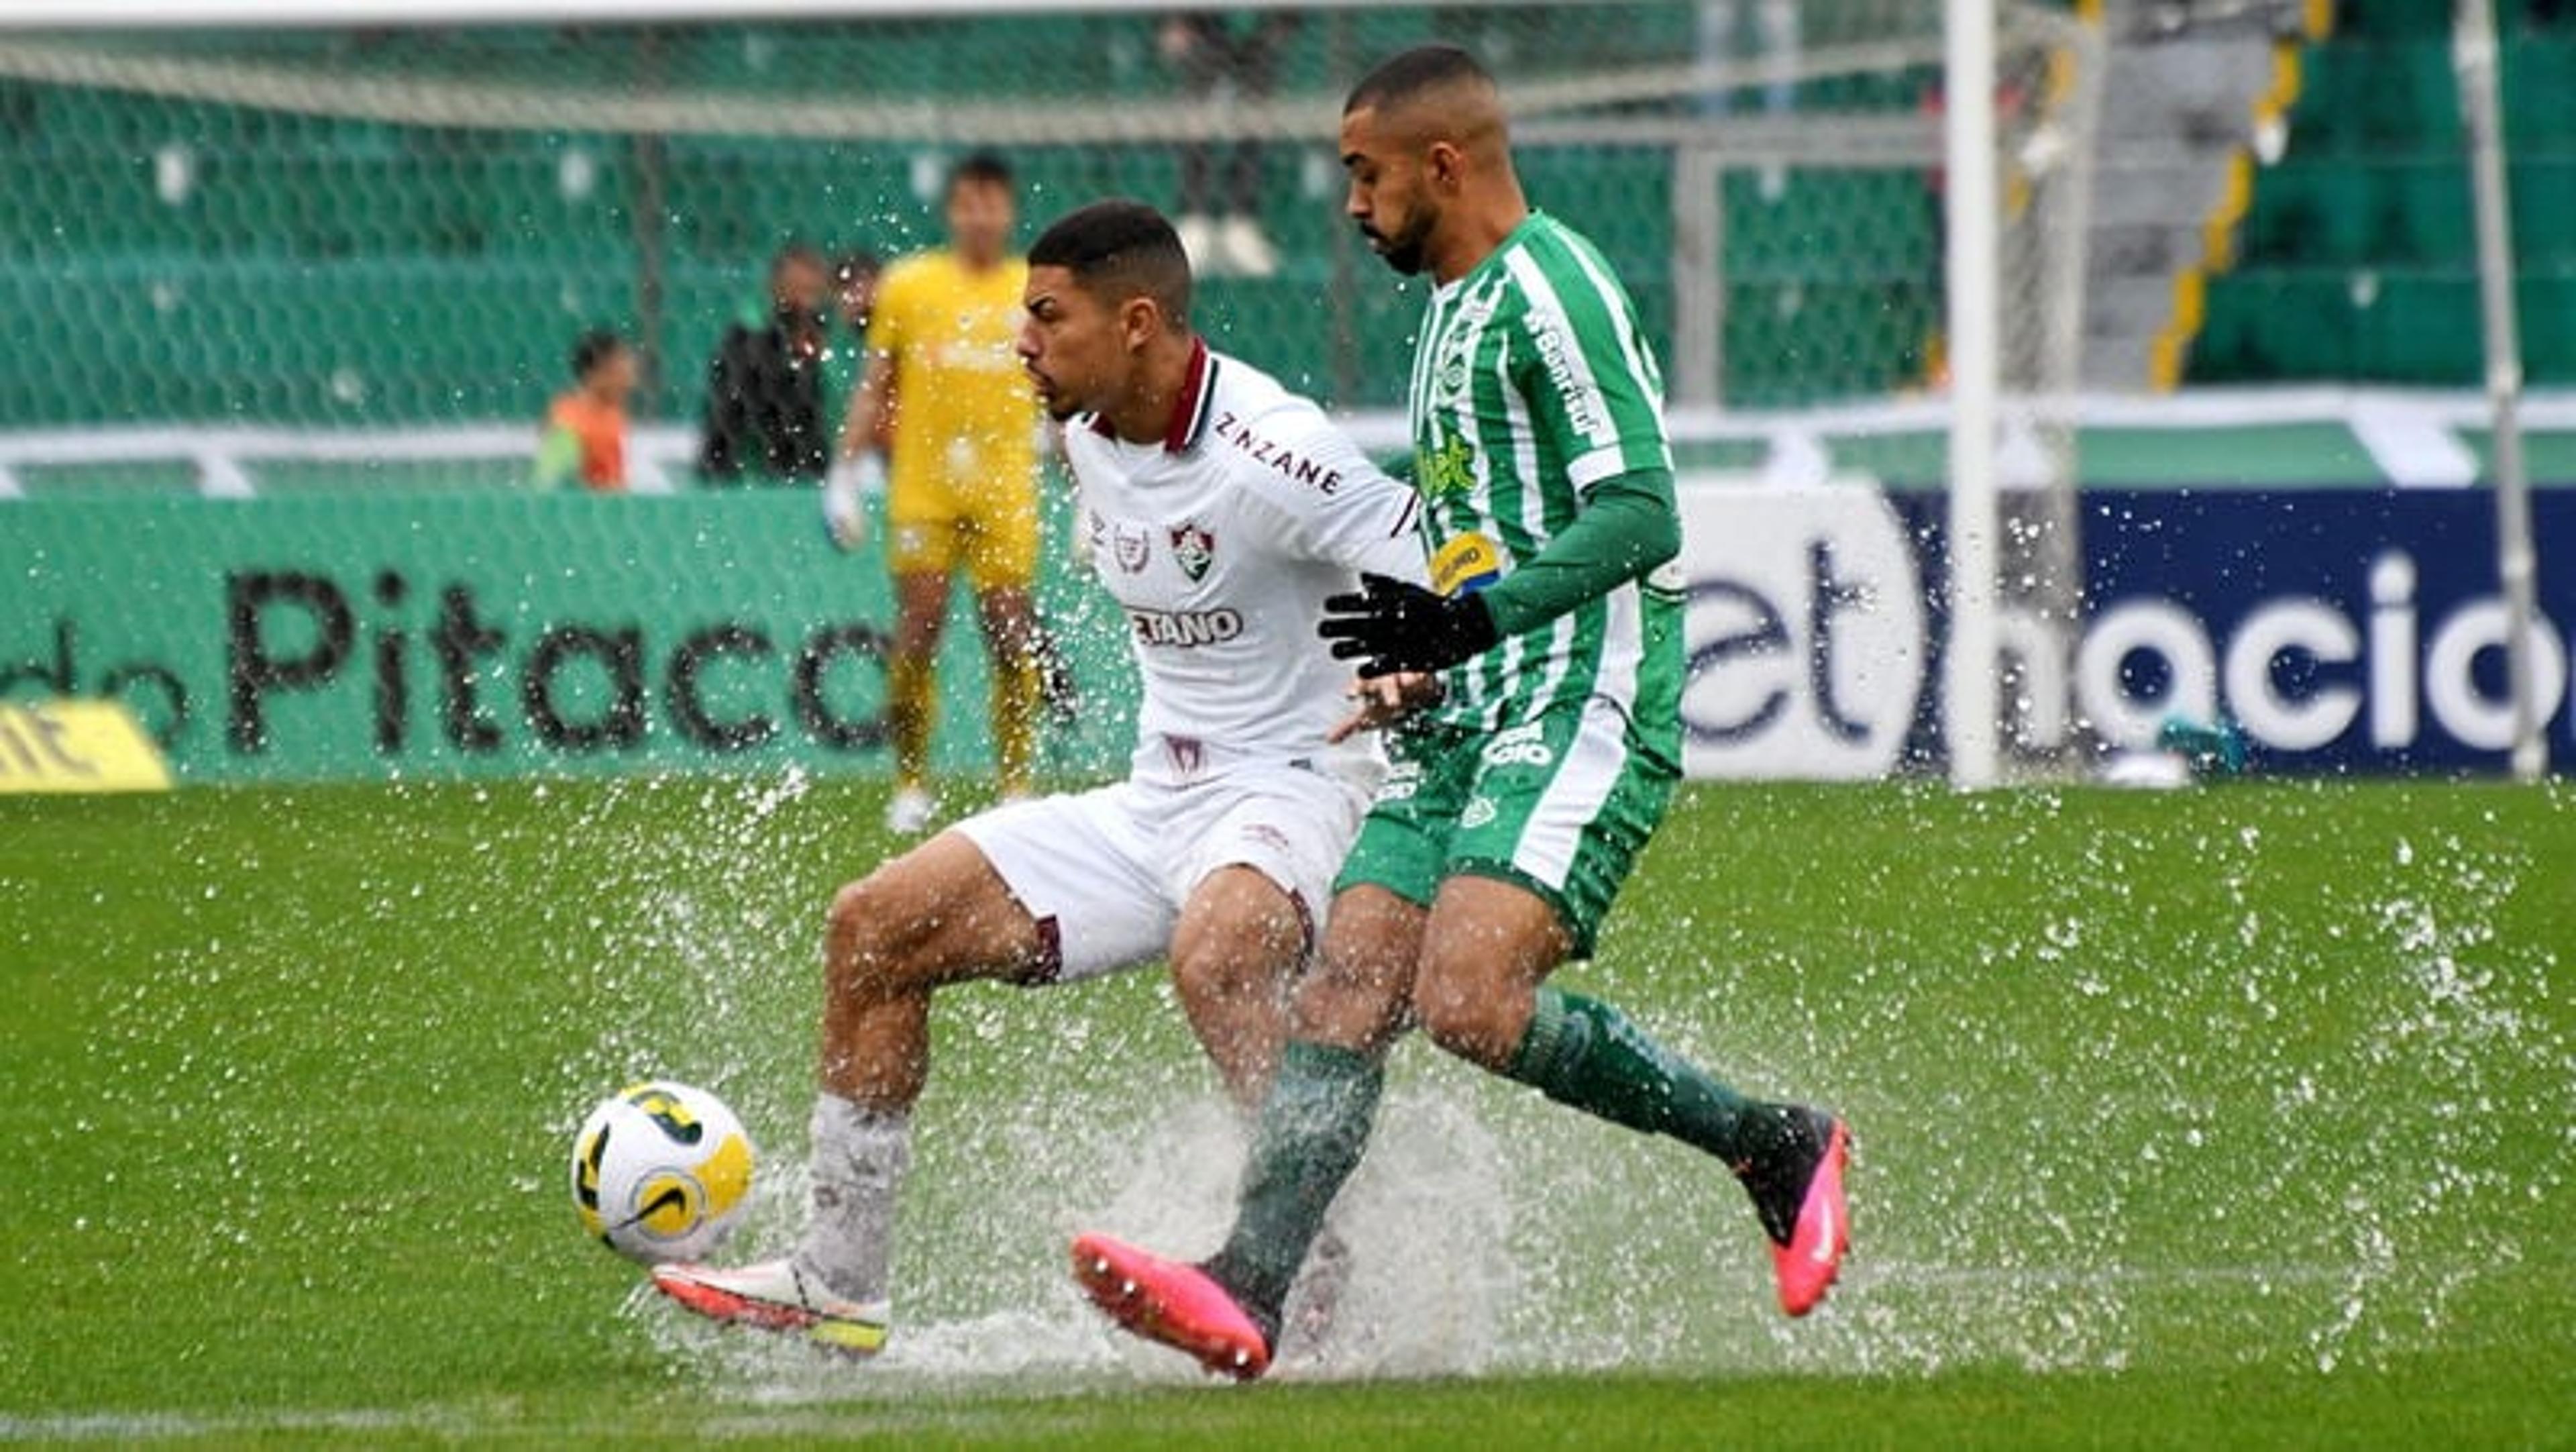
x: 860, y: 1156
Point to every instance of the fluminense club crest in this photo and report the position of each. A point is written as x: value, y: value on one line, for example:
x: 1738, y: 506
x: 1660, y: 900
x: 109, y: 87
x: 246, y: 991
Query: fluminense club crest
x: 1193, y: 548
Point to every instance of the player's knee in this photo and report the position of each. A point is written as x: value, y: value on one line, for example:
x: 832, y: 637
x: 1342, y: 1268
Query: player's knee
x: 1234, y: 975
x: 1240, y: 930
x: 1209, y: 978
x: 866, y: 947
x: 1351, y: 999
x: 1466, y: 1017
x: 1339, y: 978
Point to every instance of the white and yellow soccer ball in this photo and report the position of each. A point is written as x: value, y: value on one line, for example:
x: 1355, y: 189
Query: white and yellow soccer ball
x: 661, y: 1172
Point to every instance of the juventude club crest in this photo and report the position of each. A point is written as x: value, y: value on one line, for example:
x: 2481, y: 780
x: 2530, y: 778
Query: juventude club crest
x: 1193, y: 548
x: 1449, y: 380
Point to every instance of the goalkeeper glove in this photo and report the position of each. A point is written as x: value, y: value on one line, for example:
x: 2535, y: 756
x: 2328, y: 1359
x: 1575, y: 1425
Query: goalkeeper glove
x: 1393, y: 625
x: 854, y: 479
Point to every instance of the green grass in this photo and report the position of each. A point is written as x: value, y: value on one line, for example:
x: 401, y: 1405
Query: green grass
x: 2238, y: 1116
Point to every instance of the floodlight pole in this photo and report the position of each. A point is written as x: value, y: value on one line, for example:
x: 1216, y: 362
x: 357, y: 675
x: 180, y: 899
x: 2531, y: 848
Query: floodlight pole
x: 1971, y: 252
x: 2473, y: 58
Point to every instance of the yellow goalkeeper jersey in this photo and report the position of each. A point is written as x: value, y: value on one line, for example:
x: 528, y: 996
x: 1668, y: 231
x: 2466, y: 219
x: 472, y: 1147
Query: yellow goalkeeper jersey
x: 965, y: 417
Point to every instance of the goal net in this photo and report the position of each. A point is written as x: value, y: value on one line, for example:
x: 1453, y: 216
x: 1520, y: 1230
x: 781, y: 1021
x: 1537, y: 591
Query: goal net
x: 315, y: 252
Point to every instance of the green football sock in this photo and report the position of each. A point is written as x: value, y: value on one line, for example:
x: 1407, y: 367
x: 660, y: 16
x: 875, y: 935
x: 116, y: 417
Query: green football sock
x: 1587, y: 1054
x: 1308, y: 1140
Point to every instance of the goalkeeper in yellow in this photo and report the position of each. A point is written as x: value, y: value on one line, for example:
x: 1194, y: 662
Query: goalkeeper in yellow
x: 944, y: 388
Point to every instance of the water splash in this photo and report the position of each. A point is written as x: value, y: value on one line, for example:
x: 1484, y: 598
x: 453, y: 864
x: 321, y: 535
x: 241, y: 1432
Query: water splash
x: 1424, y: 1217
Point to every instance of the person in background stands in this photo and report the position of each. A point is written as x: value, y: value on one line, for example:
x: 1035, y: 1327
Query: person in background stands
x: 585, y: 429
x: 764, y: 408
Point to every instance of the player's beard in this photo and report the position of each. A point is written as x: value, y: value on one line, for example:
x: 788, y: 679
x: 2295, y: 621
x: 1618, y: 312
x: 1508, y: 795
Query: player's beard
x: 1404, y: 250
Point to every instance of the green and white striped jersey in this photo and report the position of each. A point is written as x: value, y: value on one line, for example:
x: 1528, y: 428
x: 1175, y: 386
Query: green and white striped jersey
x: 1532, y: 382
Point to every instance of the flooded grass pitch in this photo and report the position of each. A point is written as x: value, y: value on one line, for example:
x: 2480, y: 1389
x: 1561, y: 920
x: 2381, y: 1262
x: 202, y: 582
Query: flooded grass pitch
x: 2259, y: 1091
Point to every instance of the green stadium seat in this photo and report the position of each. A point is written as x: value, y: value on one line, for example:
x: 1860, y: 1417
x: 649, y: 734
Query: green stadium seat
x: 2546, y: 303
x: 2427, y: 219
x: 1585, y: 184
x: 2262, y: 324
x: 94, y: 202
x: 2417, y: 105
x: 1345, y: 348
x: 1832, y: 224
x: 2312, y: 213
x: 2422, y: 329
x: 2380, y: 99
x: 732, y: 204
x: 2421, y: 20
x: 2391, y: 20
x: 2544, y: 213
x: 366, y: 342
x: 2323, y: 114
x: 2539, y: 92
x: 1791, y: 341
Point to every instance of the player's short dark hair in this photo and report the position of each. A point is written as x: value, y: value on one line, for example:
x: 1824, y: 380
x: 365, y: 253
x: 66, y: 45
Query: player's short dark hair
x: 594, y: 348
x: 1120, y: 249
x: 857, y: 262
x: 979, y: 166
x: 1410, y: 73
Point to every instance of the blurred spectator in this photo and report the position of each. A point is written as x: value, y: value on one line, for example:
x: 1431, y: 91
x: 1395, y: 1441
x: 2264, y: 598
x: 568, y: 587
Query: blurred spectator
x: 1223, y: 64
x: 764, y: 411
x: 585, y: 432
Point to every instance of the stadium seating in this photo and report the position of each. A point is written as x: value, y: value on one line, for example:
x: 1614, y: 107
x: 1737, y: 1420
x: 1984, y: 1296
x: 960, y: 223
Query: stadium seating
x: 253, y: 264
x: 260, y: 265
x: 2358, y: 257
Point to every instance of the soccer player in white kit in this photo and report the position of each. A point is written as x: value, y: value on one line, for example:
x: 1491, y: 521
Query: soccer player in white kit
x: 1220, y: 510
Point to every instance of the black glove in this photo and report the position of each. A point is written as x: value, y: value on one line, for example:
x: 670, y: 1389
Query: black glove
x: 1394, y: 626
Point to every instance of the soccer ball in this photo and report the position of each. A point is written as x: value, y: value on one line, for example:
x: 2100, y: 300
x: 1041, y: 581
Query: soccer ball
x: 661, y: 1172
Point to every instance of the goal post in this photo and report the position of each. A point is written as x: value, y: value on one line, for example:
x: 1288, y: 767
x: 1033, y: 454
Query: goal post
x: 1973, y: 252
x: 2474, y: 52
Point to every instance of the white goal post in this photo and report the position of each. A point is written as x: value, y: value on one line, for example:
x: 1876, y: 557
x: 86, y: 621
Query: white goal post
x: 1969, y: 696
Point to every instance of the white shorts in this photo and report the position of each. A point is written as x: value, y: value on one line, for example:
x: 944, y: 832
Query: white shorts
x: 1105, y: 872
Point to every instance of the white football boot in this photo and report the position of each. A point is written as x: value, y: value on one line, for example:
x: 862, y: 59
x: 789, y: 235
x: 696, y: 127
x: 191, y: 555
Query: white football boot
x: 775, y: 1295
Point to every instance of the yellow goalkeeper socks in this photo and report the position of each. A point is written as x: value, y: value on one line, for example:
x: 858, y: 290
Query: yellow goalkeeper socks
x: 911, y: 703
x: 1015, y: 722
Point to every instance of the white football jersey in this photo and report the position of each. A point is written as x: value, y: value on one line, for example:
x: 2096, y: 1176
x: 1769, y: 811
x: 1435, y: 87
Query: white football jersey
x: 1221, y: 541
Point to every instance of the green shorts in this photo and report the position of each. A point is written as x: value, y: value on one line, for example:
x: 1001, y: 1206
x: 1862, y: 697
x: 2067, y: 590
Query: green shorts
x: 1560, y: 805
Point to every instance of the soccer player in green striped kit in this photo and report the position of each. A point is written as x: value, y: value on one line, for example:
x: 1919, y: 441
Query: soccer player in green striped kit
x: 1535, y: 696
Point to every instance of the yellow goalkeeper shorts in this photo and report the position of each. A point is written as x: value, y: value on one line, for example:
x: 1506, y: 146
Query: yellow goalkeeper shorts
x: 989, y: 530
